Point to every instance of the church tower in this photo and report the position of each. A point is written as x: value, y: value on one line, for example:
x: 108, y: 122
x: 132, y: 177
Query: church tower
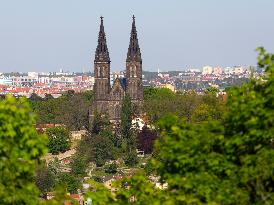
x: 101, y: 71
x: 134, y: 68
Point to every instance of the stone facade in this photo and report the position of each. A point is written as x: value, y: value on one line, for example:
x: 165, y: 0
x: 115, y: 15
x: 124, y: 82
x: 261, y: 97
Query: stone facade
x: 108, y: 100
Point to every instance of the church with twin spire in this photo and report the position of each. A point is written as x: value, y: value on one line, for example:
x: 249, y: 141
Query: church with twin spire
x: 107, y: 98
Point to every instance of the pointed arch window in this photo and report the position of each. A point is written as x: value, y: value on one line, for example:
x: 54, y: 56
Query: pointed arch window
x: 132, y: 71
x: 99, y: 71
x: 117, y: 111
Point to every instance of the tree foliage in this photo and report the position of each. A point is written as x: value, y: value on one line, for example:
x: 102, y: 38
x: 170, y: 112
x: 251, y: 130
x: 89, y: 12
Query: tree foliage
x: 20, y: 150
x: 224, y: 163
x: 215, y: 162
x: 126, y: 117
x: 159, y: 102
x: 59, y: 139
x: 44, y: 179
x: 70, y: 109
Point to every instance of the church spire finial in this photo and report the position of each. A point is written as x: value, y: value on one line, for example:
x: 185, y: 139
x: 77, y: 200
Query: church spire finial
x: 134, y: 52
x: 102, y: 53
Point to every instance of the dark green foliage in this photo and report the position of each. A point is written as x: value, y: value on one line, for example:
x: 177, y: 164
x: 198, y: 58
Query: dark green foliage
x: 79, y: 165
x: 49, y: 178
x: 103, y: 150
x: 70, y: 109
x: 159, y: 102
x: 48, y: 97
x: 131, y: 158
x: 59, y: 140
x: 128, y: 134
x: 20, y: 150
x: 99, y: 124
x: 44, y: 179
x: 35, y: 98
x: 69, y: 181
x: 111, y: 169
x: 98, y: 179
x: 126, y: 117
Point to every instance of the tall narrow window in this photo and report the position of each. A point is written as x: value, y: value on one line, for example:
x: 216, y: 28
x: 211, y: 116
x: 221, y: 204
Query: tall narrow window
x: 98, y: 72
x: 135, y: 72
x: 117, y: 111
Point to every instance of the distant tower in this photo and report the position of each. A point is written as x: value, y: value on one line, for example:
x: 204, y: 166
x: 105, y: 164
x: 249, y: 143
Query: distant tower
x: 101, y: 71
x: 134, y: 68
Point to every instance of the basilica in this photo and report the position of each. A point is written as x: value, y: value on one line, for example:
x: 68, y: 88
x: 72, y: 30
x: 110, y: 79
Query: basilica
x: 108, y: 99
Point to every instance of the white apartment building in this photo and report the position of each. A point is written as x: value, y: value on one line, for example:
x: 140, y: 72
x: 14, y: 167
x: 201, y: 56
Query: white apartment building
x: 238, y: 70
x: 229, y: 71
x: 23, y: 80
x: 217, y: 71
x: 207, y: 70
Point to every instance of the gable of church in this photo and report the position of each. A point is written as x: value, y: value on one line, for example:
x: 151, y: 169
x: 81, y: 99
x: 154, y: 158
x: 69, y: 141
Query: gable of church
x: 117, y: 91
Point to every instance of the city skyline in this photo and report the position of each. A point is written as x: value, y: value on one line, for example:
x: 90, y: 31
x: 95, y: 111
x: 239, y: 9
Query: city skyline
x: 51, y: 35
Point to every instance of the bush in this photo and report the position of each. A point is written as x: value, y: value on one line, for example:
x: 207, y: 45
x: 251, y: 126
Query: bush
x: 59, y: 140
x: 111, y: 169
x: 131, y: 159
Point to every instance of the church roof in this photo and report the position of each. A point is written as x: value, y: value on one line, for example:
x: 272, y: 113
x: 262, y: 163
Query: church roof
x: 123, y: 82
x: 134, y: 52
x: 102, y: 53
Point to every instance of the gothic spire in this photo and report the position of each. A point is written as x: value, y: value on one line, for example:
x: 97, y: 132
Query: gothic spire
x: 134, y: 52
x: 102, y: 53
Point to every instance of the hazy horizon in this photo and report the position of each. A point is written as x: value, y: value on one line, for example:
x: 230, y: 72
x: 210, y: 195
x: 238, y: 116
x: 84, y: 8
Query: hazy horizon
x: 173, y: 35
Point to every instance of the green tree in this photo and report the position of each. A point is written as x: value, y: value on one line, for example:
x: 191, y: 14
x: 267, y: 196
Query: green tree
x: 192, y: 161
x: 224, y: 163
x: 59, y: 139
x: 20, y: 150
x: 249, y: 131
x: 131, y: 158
x: 99, y: 123
x: 129, y: 137
x: 60, y: 197
x: 35, y: 98
x: 71, y: 182
x: 159, y: 102
x: 138, y: 190
x: 111, y: 169
x: 103, y: 150
x: 70, y: 109
x: 99, y: 194
x: 44, y: 179
x: 126, y: 117
x: 134, y: 190
x: 79, y: 165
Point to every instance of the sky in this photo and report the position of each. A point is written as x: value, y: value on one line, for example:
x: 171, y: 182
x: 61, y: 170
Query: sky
x: 47, y: 35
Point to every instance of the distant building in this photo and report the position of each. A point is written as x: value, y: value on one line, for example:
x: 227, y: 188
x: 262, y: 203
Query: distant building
x: 108, y: 99
x: 217, y: 71
x: 229, y: 71
x: 238, y: 70
x: 207, y: 70
x: 168, y: 86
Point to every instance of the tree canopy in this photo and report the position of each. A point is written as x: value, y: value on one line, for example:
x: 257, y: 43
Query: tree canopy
x: 59, y: 139
x: 20, y: 150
